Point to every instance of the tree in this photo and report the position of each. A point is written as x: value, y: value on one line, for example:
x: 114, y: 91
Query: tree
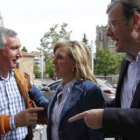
x: 86, y: 41
x: 36, y: 71
x: 119, y: 56
x: 49, y: 39
x: 24, y: 49
x: 53, y: 35
x: 50, y: 68
x: 107, y: 62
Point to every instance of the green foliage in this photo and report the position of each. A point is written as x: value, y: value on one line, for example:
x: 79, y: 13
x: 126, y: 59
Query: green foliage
x: 36, y: 71
x: 24, y: 49
x: 49, y: 68
x: 86, y: 41
x: 53, y: 35
x: 119, y: 60
x: 107, y: 62
x: 48, y: 41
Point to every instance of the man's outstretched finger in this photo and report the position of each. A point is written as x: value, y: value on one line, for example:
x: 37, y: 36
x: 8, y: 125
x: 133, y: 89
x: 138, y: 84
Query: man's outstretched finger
x: 36, y: 109
x: 77, y: 117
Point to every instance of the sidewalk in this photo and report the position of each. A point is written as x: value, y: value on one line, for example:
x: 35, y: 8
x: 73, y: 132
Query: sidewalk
x: 40, y: 135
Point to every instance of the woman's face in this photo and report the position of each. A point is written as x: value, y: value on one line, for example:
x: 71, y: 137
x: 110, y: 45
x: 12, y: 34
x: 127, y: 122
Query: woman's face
x: 63, y: 65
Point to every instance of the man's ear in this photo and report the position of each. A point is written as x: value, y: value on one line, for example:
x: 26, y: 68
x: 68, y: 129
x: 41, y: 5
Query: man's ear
x: 136, y: 21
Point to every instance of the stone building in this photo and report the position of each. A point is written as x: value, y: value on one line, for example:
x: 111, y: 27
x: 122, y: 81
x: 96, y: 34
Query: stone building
x: 105, y: 42
x: 39, y: 62
x: 26, y: 64
x: 37, y: 59
x: 102, y: 40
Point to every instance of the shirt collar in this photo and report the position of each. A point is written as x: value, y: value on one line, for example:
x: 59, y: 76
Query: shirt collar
x: 67, y: 87
x: 10, y: 74
x: 130, y: 58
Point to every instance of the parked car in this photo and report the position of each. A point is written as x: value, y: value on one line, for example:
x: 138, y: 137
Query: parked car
x: 107, y: 88
x: 49, y: 89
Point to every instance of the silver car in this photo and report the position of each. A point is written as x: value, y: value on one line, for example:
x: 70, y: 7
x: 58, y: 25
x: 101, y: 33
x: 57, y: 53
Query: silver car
x: 107, y: 88
x: 49, y: 89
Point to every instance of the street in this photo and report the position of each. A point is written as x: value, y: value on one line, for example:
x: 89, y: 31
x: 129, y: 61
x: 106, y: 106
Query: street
x: 40, y: 134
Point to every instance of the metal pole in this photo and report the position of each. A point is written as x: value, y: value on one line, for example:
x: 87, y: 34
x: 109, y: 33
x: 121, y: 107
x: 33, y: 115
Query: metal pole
x: 92, y: 58
x: 42, y: 66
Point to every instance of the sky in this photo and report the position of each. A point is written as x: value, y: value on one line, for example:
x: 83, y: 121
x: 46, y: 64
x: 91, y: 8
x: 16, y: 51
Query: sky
x: 31, y: 19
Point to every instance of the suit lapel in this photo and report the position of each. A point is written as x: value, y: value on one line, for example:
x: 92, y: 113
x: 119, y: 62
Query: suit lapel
x: 71, y: 100
x: 120, y: 82
x: 136, y: 98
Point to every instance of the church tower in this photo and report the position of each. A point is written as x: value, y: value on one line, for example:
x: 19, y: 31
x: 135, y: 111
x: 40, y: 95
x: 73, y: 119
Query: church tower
x: 102, y: 40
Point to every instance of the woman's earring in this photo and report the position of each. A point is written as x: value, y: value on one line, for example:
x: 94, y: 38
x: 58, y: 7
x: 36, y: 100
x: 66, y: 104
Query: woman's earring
x: 72, y: 70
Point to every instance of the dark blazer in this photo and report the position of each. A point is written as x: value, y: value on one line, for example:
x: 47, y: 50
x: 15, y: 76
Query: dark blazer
x: 122, y: 123
x: 83, y: 96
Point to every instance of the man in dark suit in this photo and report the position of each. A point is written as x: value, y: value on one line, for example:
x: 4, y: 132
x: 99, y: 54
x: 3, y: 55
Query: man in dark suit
x: 121, y: 117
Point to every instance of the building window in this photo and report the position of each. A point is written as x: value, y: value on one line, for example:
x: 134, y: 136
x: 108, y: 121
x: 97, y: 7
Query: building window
x: 99, y: 37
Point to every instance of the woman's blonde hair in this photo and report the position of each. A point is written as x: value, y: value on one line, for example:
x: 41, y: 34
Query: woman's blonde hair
x: 80, y: 54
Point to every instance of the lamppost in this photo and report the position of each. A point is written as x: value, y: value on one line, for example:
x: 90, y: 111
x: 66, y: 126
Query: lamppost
x: 42, y: 65
x: 92, y: 58
x: 93, y: 51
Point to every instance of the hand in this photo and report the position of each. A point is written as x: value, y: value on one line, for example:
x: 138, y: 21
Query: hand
x: 27, y: 76
x: 92, y: 118
x: 27, y: 117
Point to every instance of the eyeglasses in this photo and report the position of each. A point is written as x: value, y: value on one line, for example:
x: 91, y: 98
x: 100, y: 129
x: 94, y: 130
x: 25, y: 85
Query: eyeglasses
x: 111, y: 24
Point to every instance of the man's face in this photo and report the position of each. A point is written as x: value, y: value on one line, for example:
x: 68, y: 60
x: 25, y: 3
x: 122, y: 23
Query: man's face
x: 10, y: 54
x: 119, y: 31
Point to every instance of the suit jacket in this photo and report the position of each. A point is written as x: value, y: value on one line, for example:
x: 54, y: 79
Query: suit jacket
x: 124, y: 124
x: 84, y: 95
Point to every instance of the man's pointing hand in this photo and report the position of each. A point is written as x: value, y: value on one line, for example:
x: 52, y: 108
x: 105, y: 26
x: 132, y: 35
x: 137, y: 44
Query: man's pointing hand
x: 92, y: 118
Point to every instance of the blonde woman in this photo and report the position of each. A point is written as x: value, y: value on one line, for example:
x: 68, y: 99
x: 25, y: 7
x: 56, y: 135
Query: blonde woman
x: 78, y: 92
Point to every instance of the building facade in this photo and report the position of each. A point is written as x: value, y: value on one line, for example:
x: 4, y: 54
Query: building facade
x: 105, y: 42
x: 26, y: 64
x: 102, y: 40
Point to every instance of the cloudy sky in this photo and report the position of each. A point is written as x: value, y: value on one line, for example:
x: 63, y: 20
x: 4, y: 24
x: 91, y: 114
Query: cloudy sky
x: 32, y: 18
